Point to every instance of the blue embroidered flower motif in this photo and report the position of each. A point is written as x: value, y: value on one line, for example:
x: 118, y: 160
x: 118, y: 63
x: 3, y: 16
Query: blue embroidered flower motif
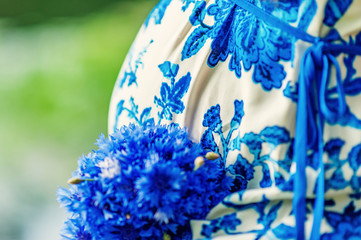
x: 158, y: 12
x: 334, y: 10
x: 242, y: 170
x: 130, y: 74
x: 337, y: 180
x: 346, y: 225
x: 246, y: 39
x: 275, y: 135
x: 133, y: 113
x: 253, y: 142
x: 213, y: 121
x: 267, y: 214
x: 227, y: 223
x: 212, y: 118
x: 230, y: 222
x: 171, y: 95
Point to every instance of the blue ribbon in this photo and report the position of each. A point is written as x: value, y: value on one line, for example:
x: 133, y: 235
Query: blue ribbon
x: 312, y: 111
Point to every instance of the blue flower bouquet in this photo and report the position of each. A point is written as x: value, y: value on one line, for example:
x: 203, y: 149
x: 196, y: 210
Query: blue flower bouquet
x: 144, y: 182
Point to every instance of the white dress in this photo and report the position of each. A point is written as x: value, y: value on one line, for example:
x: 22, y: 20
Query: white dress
x: 232, y: 79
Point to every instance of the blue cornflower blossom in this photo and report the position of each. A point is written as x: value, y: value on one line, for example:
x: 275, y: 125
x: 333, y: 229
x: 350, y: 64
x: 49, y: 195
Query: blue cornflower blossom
x: 142, y: 183
x: 74, y: 229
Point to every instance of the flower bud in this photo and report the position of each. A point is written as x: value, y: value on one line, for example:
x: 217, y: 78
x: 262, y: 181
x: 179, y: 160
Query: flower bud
x: 166, y: 237
x: 75, y: 180
x: 198, y: 162
x: 212, y: 155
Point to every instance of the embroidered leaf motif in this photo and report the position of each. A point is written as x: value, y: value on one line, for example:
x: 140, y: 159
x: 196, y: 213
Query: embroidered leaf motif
x: 208, y: 142
x: 270, y: 74
x: 236, y: 143
x: 355, y: 157
x: 275, y: 135
x: 181, y: 86
x: 134, y: 63
x: 133, y: 113
x: 145, y: 114
x: 284, y: 232
x: 171, y: 95
x: 266, y: 178
x: 157, y: 13
x: 253, y: 142
x: 195, y: 42
x: 198, y: 14
x: 353, y: 88
x: 187, y: 3
x: 334, y: 10
x: 238, y: 115
x: 291, y: 91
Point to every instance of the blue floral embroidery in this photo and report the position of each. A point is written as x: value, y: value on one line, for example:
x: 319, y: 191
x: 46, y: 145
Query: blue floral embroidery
x: 186, y: 3
x: 133, y: 113
x: 130, y: 74
x: 158, y: 12
x: 310, y: 8
x: 227, y: 223
x: 351, y: 85
x: 170, y: 100
x: 334, y: 11
x: 213, y: 122
x: 247, y: 39
x: 266, y: 217
x: 291, y: 91
x: 284, y: 231
x: 346, y: 225
x: 337, y: 180
x: 242, y: 169
x: 243, y: 172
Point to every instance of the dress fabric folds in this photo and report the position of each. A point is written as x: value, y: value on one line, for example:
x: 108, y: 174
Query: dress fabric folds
x: 235, y: 81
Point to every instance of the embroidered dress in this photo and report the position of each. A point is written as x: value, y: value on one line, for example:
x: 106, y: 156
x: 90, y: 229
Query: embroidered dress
x: 275, y: 89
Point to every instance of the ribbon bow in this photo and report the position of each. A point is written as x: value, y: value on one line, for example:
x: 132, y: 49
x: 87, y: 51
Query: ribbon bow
x: 312, y: 111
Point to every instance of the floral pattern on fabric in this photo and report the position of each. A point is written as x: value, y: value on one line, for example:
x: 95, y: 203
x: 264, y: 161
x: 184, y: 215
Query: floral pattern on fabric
x: 334, y: 11
x: 158, y: 12
x: 130, y: 73
x: 346, y: 224
x: 260, y: 146
x: 171, y: 94
x: 232, y: 79
x: 133, y: 112
x: 245, y: 38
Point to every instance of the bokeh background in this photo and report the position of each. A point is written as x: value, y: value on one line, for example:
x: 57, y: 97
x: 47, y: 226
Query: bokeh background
x: 58, y: 65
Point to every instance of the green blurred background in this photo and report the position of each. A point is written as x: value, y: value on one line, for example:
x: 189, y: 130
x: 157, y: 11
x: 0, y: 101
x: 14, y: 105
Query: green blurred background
x: 58, y: 65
